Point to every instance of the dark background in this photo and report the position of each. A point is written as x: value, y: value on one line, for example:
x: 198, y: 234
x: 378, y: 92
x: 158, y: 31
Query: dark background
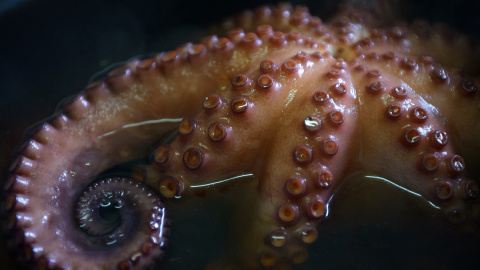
x: 49, y: 49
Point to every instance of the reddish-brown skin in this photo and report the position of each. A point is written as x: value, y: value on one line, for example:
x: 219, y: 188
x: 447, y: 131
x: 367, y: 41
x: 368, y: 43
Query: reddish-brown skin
x: 292, y: 102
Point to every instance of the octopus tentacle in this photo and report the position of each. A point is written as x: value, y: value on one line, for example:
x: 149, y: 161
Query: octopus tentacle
x: 111, y: 213
x: 114, y: 120
x: 347, y: 113
x: 435, y: 169
x: 353, y: 34
x: 347, y: 99
x: 357, y: 26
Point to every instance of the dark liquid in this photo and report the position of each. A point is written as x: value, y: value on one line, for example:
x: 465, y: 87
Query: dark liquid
x: 371, y: 225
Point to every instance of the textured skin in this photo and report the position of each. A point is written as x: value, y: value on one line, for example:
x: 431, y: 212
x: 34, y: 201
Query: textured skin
x: 359, y: 68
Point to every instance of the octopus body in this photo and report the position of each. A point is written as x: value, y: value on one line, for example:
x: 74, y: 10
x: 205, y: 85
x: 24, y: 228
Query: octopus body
x: 285, y: 101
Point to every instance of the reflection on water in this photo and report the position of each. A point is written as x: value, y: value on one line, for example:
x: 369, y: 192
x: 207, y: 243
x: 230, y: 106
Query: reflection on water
x: 372, y: 224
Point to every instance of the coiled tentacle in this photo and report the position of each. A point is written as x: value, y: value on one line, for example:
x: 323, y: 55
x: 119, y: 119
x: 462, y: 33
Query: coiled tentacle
x: 342, y: 86
x: 113, y: 121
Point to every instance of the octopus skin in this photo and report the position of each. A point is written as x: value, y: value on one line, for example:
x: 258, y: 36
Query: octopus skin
x: 287, y: 101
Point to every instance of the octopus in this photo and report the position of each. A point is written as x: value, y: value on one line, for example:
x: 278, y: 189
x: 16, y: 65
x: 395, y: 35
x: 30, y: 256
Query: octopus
x: 274, y: 119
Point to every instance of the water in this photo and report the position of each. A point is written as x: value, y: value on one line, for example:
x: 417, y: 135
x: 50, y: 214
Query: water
x: 371, y: 225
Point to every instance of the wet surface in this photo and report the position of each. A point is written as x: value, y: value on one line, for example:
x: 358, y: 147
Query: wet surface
x: 50, y: 50
x: 371, y: 224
